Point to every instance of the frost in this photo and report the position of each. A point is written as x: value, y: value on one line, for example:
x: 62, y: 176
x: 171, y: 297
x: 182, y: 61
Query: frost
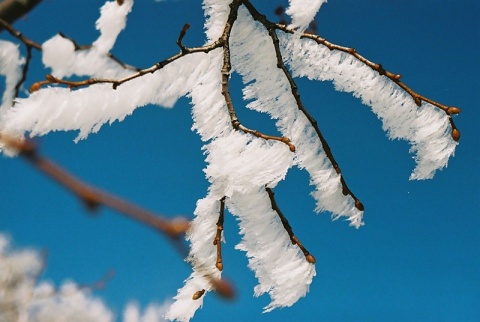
x: 10, y: 67
x: 303, y: 12
x: 240, y: 166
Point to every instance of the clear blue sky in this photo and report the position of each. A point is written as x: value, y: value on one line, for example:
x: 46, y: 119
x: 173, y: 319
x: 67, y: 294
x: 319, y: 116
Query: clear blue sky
x: 416, y: 259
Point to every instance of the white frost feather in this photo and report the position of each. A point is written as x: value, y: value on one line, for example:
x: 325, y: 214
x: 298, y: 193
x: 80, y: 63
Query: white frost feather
x: 111, y: 22
x: 10, y: 67
x: 302, y: 12
x: 59, y: 54
x: 280, y: 266
x: 426, y: 128
x: 202, y: 257
x: 87, y: 109
x: 253, y: 56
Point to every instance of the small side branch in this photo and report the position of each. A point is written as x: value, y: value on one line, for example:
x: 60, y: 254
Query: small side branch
x: 218, y: 236
x: 418, y: 98
x: 293, y: 86
x: 226, y: 68
x: 92, y: 197
x: 295, y: 241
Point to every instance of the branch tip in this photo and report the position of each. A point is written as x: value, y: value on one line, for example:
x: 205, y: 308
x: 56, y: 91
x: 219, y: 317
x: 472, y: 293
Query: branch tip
x: 453, y: 110
x: 456, y: 135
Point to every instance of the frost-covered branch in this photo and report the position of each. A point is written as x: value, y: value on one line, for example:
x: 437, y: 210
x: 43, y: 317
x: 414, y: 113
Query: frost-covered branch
x: 243, y: 165
x: 295, y: 241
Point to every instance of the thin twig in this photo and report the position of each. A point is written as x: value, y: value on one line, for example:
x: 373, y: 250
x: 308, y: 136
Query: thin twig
x: 17, y: 34
x: 92, y: 197
x: 418, y: 98
x: 218, y: 236
x: 271, y: 27
x: 295, y: 241
x: 11, y: 10
x: 226, y: 68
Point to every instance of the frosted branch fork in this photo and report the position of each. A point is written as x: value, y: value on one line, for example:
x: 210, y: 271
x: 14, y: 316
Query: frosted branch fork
x: 418, y: 98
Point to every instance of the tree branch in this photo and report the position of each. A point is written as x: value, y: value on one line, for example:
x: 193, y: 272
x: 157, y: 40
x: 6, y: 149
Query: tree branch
x: 92, y: 197
x: 11, y: 10
x: 295, y: 241
x: 218, y: 236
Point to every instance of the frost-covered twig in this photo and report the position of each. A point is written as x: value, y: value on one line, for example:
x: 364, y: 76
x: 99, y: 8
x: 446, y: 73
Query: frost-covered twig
x: 295, y: 241
x: 226, y: 68
x: 294, y: 88
x: 418, y: 98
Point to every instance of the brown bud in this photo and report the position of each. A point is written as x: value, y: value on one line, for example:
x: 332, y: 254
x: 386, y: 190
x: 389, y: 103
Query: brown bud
x: 397, y: 76
x: 418, y: 101
x: 453, y: 110
x: 455, y: 135
x: 310, y: 259
x: 292, y: 147
x: 219, y: 266
x: 223, y: 288
x: 198, y: 294
x: 50, y: 78
x: 35, y: 87
x: 359, y: 205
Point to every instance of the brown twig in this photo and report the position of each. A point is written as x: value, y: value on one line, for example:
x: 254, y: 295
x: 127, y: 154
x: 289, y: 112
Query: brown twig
x: 226, y: 68
x: 418, y: 98
x: 11, y: 10
x: 271, y: 27
x: 117, y: 82
x: 17, y: 34
x: 295, y: 241
x: 180, y: 37
x: 92, y: 197
x: 218, y: 236
x: 29, y: 44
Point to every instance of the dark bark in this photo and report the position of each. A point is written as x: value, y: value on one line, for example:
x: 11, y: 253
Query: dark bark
x: 11, y: 10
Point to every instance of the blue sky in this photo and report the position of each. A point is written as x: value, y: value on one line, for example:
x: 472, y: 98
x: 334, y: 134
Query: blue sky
x: 417, y: 257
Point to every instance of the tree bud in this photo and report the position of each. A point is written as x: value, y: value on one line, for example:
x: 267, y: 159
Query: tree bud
x: 198, y: 294
x: 453, y: 110
x: 456, y: 135
x: 35, y: 87
x: 418, y: 101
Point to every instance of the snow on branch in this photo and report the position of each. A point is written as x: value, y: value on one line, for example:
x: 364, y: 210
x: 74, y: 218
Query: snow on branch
x: 243, y: 165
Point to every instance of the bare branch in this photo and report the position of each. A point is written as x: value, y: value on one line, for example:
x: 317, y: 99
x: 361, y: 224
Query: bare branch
x: 17, y: 34
x: 11, y: 10
x: 92, y: 197
x: 218, y: 236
